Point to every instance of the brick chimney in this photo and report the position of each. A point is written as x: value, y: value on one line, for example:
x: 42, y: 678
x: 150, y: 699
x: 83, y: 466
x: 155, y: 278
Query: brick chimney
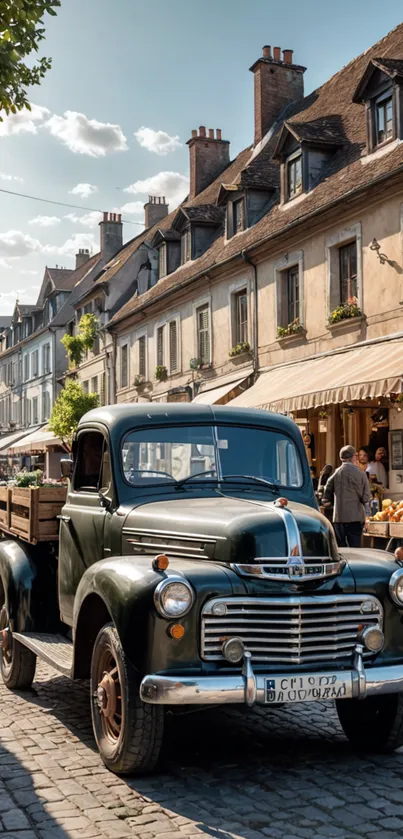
x: 155, y: 210
x: 209, y: 156
x: 81, y: 257
x: 277, y: 83
x: 111, y: 235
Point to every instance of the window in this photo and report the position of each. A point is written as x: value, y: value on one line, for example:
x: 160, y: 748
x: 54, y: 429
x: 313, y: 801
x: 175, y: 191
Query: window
x: 35, y: 363
x: 46, y: 358
x: 88, y: 307
x: 45, y: 406
x: 173, y: 346
x: 186, y: 249
x: 160, y: 346
x: 238, y: 215
x: 162, y: 261
x: 124, y: 355
x: 94, y: 384
x: 35, y: 413
x: 142, y: 357
x: 79, y: 315
x: 292, y: 294
x: 169, y: 454
x: 26, y: 367
x: 87, y: 473
x: 15, y: 373
x: 348, y: 271
x: 103, y: 389
x: 241, y: 316
x: 294, y: 176
x: 203, y: 333
x: 86, y: 386
x: 383, y: 119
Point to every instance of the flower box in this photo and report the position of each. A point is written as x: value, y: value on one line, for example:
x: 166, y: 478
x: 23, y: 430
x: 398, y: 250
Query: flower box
x: 346, y: 323
x: 32, y: 512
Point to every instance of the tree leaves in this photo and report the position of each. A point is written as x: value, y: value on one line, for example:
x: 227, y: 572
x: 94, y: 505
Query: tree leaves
x: 71, y: 404
x: 21, y: 30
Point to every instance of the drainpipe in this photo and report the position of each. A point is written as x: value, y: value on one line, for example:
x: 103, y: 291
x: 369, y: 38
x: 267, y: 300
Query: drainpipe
x: 54, y: 382
x: 249, y: 261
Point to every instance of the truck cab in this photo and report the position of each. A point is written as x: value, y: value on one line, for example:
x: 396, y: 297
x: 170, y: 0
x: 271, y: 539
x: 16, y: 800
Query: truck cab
x: 193, y: 567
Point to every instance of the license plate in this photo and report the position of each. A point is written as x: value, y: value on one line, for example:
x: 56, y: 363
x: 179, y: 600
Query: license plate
x: 308, y: 687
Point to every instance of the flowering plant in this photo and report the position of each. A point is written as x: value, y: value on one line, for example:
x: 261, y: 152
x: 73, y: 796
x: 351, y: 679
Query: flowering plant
x: 347, y: 310
x: 292, y: 329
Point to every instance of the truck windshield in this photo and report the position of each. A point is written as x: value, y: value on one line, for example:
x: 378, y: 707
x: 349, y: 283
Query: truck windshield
x: 171, y: 454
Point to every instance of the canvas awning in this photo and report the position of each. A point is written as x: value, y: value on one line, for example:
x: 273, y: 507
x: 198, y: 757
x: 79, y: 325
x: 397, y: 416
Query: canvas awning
x: 366, y: 372
x: 213, y: 391
x: 9, y: 439
x: 36, y: 440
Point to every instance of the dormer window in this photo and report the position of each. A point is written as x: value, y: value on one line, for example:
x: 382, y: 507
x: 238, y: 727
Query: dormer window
x: 162, y: 261
x: 186, y: 246
x: 383, y: 118
x: 168, y: 244
x: 238, y: 211
x: 294, y: 174
x: 198, y: 227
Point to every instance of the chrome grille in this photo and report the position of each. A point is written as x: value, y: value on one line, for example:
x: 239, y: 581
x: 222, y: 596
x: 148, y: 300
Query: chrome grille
x: 289, y: 630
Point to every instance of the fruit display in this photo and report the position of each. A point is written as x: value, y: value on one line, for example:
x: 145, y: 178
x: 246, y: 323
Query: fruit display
x: 392, y: 511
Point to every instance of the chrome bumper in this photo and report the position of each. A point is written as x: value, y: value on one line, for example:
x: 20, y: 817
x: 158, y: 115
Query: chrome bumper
x: 248, y: 688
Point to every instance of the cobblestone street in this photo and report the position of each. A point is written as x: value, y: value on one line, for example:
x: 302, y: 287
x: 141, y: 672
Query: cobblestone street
x: 288, y: 775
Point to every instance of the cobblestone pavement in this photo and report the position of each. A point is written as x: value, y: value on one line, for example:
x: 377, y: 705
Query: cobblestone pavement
x: 223, y: 774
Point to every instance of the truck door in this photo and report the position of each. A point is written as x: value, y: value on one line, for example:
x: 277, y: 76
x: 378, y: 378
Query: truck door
x: 84, y: 520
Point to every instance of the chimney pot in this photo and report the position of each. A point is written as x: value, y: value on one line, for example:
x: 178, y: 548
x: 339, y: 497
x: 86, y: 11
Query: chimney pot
x: 194, y: 132
x: 155, y: 210
x: 277, y: 53
x: 202, y: 130
x: 287, y: 56
x: 120, y: 218
x: 81, y: 257
x: 266, y: 51
x: 111, y: 235
x: 105, y: 216
x: 218, y: 133
x: 211, y: 133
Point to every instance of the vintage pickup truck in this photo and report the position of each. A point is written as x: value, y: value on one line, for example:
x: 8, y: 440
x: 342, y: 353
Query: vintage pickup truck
x: 194, y: 567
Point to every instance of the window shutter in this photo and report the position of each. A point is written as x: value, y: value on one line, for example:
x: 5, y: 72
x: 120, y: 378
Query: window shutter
x: 103, y: 388
x: 160, y: 346
x: 203, y: 334
x: 142, y: 356
x: 123, y: 366
x: 173, y: 346
x: 162, y: 261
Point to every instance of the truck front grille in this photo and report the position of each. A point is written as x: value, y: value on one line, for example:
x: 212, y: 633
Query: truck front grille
x: 289, y: 630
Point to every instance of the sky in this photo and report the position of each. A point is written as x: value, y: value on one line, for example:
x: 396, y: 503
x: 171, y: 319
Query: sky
x: 129, y: 81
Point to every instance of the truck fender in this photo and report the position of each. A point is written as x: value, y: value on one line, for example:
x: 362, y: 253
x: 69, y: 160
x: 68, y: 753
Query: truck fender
x: 18, y: 573
x: 116, y: 590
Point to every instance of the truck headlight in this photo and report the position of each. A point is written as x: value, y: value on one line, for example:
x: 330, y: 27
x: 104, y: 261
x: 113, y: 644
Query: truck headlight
x: 173, y: 598
x: 396, y: 587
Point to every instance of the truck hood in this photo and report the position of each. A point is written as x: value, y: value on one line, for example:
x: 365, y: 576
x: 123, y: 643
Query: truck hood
x: 226, y: 528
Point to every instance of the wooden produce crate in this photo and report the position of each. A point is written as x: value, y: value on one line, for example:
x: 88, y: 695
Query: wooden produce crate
x: 396, y: 529
x: 378, y: 528
x: 34, y: 512
x: 5, y: 507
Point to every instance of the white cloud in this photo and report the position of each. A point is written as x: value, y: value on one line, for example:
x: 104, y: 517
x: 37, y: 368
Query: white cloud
x: 15, y: 244
x: 45, y: 221
x: 25, y: 271
x: 172, y: 185
x: 133, y: 208
x: 24, y: 122
x: 87, y: 136
x: 91, y: 219
x: 4, y: 177
x: 25, y: 295
x: 4, y: 263
x: 72, y: 245
x: 158, y: 142
x: 83, y: 190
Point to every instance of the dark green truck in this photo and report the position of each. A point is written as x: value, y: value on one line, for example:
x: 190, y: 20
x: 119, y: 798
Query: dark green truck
x: 194, y: 568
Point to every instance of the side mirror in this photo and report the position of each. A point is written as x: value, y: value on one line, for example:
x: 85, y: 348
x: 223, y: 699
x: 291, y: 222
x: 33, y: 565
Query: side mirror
x: 66, y: 467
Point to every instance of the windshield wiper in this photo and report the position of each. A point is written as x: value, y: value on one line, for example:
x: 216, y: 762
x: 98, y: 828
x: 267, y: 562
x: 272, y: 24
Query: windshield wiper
x: 251, y: 478
x: 227, y: 477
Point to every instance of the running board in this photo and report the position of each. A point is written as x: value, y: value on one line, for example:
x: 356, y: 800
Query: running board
x: 56, y: 650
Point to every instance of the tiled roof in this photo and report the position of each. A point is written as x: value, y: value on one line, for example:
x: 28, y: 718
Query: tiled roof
x: 344, y: 174
x: 61, y: 277
x: 391, y: 66
x: 204, y: 213
x: 84, y: 279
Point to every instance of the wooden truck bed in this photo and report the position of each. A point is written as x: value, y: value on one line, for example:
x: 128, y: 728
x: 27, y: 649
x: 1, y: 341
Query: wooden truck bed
x: 31, y: 513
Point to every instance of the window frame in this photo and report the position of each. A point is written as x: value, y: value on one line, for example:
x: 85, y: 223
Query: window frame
x: 293, y: 301
x: 351, y: 276
x: 332, y: 244
x: 291, y: 261
x: 186, y: 245
x: 93, y: 491
x: 35, y: 410
x: 380, y: 102
x: 35, y: 363
x: 124, y: 380
x: 204, y: 304
x: 292, y: 161
x: 236, y: 296
x: 143, y: 336
x: 160, y: 349
x: 162, y: 260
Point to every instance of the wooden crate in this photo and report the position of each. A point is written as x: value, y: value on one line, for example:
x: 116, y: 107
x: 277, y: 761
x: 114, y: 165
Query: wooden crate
x: 396, y: 529
x: 5, y: 507
x: 34, y: 511
x: 378, y: 528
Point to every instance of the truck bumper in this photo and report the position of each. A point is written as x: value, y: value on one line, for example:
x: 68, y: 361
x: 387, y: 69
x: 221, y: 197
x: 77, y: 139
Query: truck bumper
x: 248, y: 688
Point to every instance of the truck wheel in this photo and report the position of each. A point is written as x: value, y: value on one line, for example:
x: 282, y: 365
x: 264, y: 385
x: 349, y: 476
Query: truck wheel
x: 373, y: 724
x: 128, y: 731
x: 18, y: 663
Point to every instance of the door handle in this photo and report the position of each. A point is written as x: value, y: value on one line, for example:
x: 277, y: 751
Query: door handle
x: 64, y: 518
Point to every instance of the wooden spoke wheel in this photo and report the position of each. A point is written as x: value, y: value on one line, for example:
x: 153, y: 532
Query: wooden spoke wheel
x: 128, y: 732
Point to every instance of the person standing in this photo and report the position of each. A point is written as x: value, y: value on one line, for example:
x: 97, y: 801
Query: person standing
x: 363, y: 458
x: 376, y: 467
x: 349, y: 488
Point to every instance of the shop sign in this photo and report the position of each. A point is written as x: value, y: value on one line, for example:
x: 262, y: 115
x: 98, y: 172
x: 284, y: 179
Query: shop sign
x: 396, y: 449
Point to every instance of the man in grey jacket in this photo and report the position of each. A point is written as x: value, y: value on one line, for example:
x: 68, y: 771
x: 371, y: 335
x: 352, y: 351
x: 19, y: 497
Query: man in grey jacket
x: 349, y: 487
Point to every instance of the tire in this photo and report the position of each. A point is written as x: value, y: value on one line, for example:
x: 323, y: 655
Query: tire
x: 374, y: 724
x: 18, y: 663
x: 128, y: 732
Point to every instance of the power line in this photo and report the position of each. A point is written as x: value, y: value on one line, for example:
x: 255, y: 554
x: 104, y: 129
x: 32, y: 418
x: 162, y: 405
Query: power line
x: 62, y: 204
